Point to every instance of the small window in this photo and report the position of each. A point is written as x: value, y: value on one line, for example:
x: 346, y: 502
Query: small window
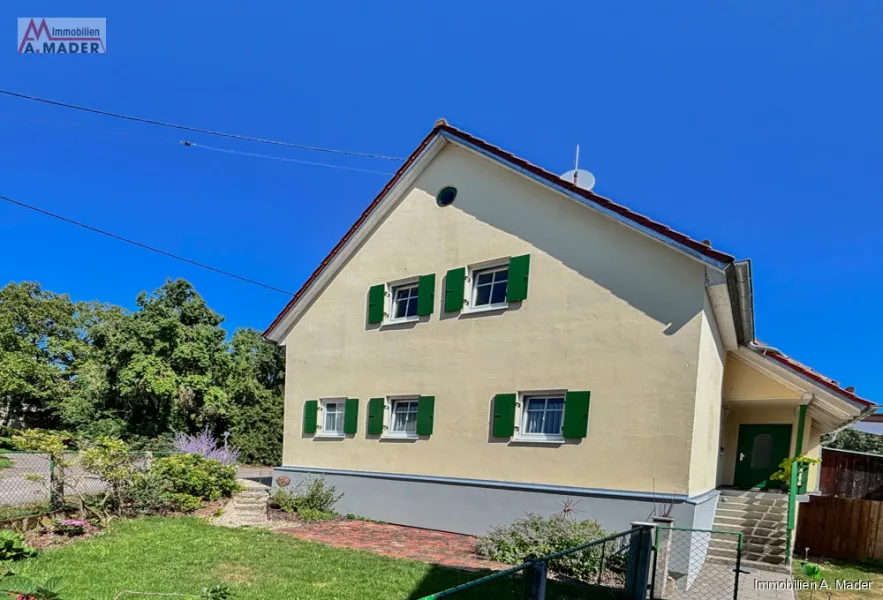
x: 542, y: 417
x: 404, y: 302
x: 403, y: 417
x: 332, y: 418
x: 446, y: 196
x: 489, y: 287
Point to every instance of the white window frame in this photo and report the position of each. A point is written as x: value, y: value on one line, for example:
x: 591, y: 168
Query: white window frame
x: 389, y: 304
x: 472, y: 272
x: 521, y: 417
x: 391, y: 401
x: 321, y: 431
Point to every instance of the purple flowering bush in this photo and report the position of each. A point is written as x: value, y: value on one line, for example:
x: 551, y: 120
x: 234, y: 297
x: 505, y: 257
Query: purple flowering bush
x: 205, y: 444
x: 70, y: 527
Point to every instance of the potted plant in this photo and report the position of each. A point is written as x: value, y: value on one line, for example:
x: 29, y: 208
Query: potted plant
x: 783, y: 475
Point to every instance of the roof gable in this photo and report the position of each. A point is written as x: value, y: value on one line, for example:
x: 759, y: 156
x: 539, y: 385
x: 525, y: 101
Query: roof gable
x: 443, y: 133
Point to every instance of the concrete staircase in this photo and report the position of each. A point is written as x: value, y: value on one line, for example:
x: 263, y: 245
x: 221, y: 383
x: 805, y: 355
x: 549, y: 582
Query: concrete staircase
x: 762, y: 517
x: 248, y: 507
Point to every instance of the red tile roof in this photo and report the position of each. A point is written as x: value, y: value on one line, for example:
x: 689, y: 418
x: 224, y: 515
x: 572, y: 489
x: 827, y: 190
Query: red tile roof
x: 817, y: 377
x: 442, y: 127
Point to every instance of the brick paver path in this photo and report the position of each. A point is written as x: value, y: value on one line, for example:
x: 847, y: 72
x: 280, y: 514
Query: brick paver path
x: 435, y: 547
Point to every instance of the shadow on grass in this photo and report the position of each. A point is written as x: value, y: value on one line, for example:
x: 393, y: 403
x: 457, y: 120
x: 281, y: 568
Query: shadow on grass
x: 505, y: 588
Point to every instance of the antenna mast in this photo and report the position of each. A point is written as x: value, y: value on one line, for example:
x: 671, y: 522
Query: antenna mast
x: 576, y: 166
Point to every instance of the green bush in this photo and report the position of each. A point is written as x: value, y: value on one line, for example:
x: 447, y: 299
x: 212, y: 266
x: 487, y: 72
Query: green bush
x: 311, y: 496
x: 284, y: 500
x: 196, y: 476
x: 535, y: 536
x: 186, y: 502
x: 12, y: 546
x: 311, y: 514
x: 315, y: 494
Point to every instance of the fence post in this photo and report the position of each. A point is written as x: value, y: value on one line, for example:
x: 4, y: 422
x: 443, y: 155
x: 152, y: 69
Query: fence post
x: 638, y: 566
x: 738, y: 566
x: 51, y: 482
x: 535, y: 580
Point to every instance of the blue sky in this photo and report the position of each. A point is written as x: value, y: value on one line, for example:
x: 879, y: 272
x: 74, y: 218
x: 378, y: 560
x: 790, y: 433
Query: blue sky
x: 756, y: 125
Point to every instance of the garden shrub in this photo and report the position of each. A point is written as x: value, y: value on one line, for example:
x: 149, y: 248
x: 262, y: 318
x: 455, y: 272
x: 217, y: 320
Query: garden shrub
x: 311, y: 514
x: 149, y: 496
x: 535, y: 536
x: 284, y: 500
x: 13, y: 547
x: 315, y: 494
x: 311, y: 497
x: 195, y: 475
x: 205, y: 444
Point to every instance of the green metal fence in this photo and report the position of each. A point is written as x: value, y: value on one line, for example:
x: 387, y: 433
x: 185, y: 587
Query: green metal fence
x: 32, y: 483
x: 696, y: 564
x: 616, y: 566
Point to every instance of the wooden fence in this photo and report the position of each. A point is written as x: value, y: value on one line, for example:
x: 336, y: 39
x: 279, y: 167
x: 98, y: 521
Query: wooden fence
x: 851, y: 475
x: 844, y: 528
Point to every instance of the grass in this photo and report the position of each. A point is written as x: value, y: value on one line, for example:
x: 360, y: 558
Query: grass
x: 164, y: 554
x: 5, y: 462
x: 834, y: 570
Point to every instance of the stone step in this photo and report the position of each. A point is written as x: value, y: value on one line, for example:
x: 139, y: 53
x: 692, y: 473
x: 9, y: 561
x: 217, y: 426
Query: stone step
x: 251, y: 508
x: 253, y: 494
x: 753, y: 503
x: 240, y: 499
x: 731, y: 542
x: 719, y: 547
x: 727, y: 494
x: 755, y: 532
x: 743, y: 522
x: 751, y: 513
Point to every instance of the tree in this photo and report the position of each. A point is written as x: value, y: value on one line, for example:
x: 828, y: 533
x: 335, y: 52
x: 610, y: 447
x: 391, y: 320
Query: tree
x: 858, y: 441
x: 255, y: 388
x: 141, y: 375
x: 38, y: 344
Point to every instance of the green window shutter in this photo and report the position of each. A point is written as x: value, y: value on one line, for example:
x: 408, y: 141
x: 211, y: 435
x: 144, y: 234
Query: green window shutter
x: 310, y: 409
x: 426, y: 294
x: 455, y: 286
x: 376, y: 296
x: 519, y: 268
x: 375, y: 416
x: 425, y: 415
x: 576, y: 414
x: 504, y: 415
x: 351, y: 415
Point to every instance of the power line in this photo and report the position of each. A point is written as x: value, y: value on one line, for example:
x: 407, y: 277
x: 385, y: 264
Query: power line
x: 195, y: 129
x: 292, y: 160
x: 144, y: 246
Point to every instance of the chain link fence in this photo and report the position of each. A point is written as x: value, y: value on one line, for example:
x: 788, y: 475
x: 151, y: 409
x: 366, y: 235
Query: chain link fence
x: 695, y: 564
x: 613, y: 567
x: 32, y: 483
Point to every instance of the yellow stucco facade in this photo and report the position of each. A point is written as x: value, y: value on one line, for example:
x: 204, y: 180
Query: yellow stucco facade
x: 608, y: 310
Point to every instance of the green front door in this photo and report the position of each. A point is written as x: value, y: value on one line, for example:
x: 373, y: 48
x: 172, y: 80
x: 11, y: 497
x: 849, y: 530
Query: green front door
x: 760, y: 450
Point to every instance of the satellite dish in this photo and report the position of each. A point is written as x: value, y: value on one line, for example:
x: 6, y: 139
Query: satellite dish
x: 580, y: 178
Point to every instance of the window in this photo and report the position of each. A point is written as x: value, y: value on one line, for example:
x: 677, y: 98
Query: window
x: 489, y: 287
x: 332, y: 419
x: 403, y: 418
x: 445, y: 196
x: 404, y: 302
x: 542, y: 417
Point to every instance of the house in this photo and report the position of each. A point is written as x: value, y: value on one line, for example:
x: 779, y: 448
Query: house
x: 489, y: 339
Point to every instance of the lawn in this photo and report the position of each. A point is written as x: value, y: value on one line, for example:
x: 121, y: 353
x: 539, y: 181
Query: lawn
x: 844, y: 571
x: 158, y: 554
